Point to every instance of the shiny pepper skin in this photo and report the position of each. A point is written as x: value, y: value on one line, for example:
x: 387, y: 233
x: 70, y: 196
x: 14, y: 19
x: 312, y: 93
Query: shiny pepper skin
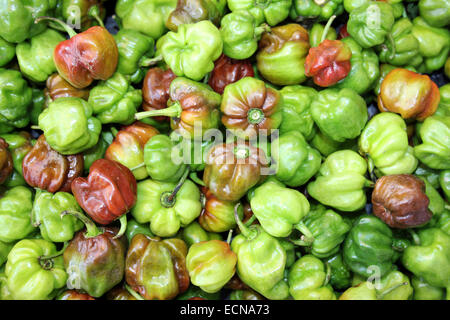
x: 74, y: 295
x: 400, y: 201
x: 107, y: 193
x: 227, y: 71
x: 156, y: 90
x: 156, y: 268
x: 49, y: 170
x: 57, y: 87
x: 408, y: 93
x: 6, y: 162
x: 88, y: 56
x: 328, y: 63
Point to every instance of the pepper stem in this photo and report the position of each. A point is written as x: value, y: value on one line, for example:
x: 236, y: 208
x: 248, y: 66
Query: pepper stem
x: 35, y: 127
x: 114, y: 131
x: 151, y: 61
x: 261, y: 29
x: 249, y: 234
x: 193, y: 176
x: 174, y: 111
x: 327, y: 27
x: 255, y: 115
x: 142, y: 164
x: 91, y: 229
x: 328, y: 274
x: 94, y: 12
x: 250, y: 220
x: 123, y: 226
x: 307, y: 237
x: 389, y: 290
x: 46, y: 262
x: 168, y: 198
x: 133, y: 293
x: 66, y: 27
x: 415, y: 237
x: 230, y: 236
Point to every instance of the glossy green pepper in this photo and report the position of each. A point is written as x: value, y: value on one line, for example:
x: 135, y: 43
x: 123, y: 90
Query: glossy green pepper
x: 308, y: 280
x: 340, y: 114
x: 364, y: 70
x: 15, y: 214
x: 436, y: 205
x: 444, y: 102
x: 328, y: 229
x: 196, y: 292
x: 444, y: 181
x: 370, y: 23
x: 211, y: 264
x: 315, y: 9
x: 341, y: 275
x: 134, y: 48
x: 192, y: 11
x: 15, y: 100
x: 435, y: 148
x: 33, y: 272
x: 425, y: 291
x: 327, y: 146
x: 401, y: 48
x: 69, y: 126
x: 5, y: 248
x: 443, y: 221
x: 280, y: 212
x: 17, y: 18
x: 194, y: 233
x: 261, y: 261
x: 46, y: 214
x: 38, y: 104
x: 159, y: 158
x: 240, y: 33
x: 146, y: 16
x: 166, y: 214
x: 115, y: 100
x: 271, y: 11
x: 296, y: 161
x: 434, y: 44
x: 368, y: 248
x: 192, y: 50
x: 429, y: 258
x: 340, y: 182
x: 316, y: 33
x: 296, y: 110
x: 19, y: 144
x: 98, y: 151
x: 134, y: 228
x: 35, y: 56
x: 384, y: 141
x: 431, y: 175
x: 7, y: 52
x: 435, y: 12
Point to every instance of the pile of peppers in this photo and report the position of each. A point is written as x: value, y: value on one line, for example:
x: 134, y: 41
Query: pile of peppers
x: 331, y: 180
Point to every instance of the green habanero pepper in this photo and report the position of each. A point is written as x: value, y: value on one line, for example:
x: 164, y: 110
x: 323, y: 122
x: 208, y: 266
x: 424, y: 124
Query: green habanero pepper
x: 401, y: 48
x: 364, y: 71
x: 370, y: 23
x: 316, y: 34
x: 444, y: 102
x: 5, y: 248
x: 7, y: 52
x: 340, y: 182
x: 15, y: 214
x: 98, y: 151
x: 435, y: 148
x: 17, y: 18
x: 35, y: 271
x: 46, y: 214
x: 15, y: 100
x: 435, y: 12
x: 115, y: 100
x: 261, y: 261
x: 271, y: 11
x: 425, y: 291
x: 134, y: 228
x: 383, y: 71
x: 279, y: 209
x: 167, y: 206
x: 134, y: 48
x: 192, y: 50
x: 146, y: 16
x: 296, y: 111
x: 368, y: 247
x: 241, y: 33
x: 195, y: 233
x: 384, y: 141
x: 19, y: 144
x: 295, y: 160
x: 444, y: 181
x: 429, y: 258
x: 340, y: 274
x: 193, y: 293
x: 315, y: 9
x: 35, y: 56
x: 309, y: 280
x: 69, y: 126
x: 340, y: 114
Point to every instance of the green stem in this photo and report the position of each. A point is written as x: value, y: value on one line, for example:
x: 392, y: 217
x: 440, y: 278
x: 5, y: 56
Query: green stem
x: 255, y: 115
x: 327, y: 27
x: 138, y: 166
x: 133, y: 293
x: 328, y: 274
x: 114, y: 131
x: 46, y: 262
x: 123, y: 226
x: 389, y: 290
x: 94, y: 12
x: 261, y: 29
x: 35, y: 127
x: 250, y: 220
x: 415, y: 237
x: 307, y: 237
x: 68, y: 29
x: 193, y: 176
x: 249, y: 234
x: 91, y: 229
x: 174, y: 111
x: 230, y: 235
x: 150, y: 61
x: 168, y: 198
